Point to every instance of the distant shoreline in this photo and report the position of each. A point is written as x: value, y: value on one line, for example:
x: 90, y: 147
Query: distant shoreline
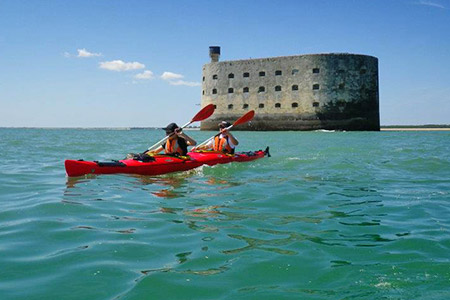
x: 415, y: 129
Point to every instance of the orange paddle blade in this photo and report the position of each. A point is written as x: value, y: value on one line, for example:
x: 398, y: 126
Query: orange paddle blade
x: 245, y: 118
x: 205, y: 113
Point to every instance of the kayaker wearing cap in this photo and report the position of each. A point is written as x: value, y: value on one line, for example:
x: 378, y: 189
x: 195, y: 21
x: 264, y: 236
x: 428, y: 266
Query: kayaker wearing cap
x: 224, y: 141
x: 177, y: 142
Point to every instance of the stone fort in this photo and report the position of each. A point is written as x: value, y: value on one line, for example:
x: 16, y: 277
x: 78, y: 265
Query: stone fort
x: 335, y: 91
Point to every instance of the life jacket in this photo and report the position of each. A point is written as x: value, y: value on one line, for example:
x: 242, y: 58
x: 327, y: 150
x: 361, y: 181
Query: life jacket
x: 173, y: 147
x: 222, y: 145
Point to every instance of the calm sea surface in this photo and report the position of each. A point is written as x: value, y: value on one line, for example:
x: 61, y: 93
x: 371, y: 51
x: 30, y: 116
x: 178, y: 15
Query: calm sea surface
x: 331, y: 215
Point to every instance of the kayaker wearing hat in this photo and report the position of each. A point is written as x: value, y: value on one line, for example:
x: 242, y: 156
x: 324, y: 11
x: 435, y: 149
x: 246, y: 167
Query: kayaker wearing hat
x: 224, y: 141
x: 177, y: 142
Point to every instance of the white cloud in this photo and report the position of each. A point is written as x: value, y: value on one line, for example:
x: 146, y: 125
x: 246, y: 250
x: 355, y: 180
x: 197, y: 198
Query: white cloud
x: 182, y: 82
x: 429, y: 3
x: 147, y: 74
x: 175, y: 79
x: 85, y: 53
x: 67, y: 54
x: 119, y: 65
x: 171, y: 76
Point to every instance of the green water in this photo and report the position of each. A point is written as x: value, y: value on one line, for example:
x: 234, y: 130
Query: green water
x: 331, y: 215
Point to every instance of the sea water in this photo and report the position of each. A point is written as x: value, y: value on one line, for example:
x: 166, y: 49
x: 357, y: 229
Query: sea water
x: 331, y: 215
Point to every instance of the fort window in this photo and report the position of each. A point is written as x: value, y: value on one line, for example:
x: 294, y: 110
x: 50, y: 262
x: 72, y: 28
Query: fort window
x: 214, y: 91
x: 246, y: 74
x: 245, y: 106
x: 230, y: 91
x: 294, y: 104
x: 261, y: 74
x: 261, y: 105
x: 261, y: 89
x: 278, y: 73
x: 231, y: 75
x: 315, y: 104
x: 203, y: 92
x: 203, y: 78
x: 295, y: 87
x: 245, y: 90
x: 215, y: 106
x: 230, y: 106
x: 316, y: 70
x: 215, y: 76
x: 278, y: 88
x: 294, y: 72
x: 316, y: 86
x: 277, y: 105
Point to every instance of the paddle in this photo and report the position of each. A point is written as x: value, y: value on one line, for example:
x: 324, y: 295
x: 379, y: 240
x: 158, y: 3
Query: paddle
x: 203, y: 114
x: 244, y: 119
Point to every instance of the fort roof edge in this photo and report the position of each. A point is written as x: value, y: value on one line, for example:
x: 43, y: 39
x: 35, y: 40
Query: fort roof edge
x: 293, y: 56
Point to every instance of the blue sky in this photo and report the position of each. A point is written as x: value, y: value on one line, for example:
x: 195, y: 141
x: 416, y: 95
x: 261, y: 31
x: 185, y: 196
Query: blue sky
x: 138, y: 63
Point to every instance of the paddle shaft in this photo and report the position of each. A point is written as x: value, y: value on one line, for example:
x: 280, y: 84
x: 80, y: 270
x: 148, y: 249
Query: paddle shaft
x: 204, y: 113
x: 207, y: 141
x: 244, y: 119
x: 165, y: 138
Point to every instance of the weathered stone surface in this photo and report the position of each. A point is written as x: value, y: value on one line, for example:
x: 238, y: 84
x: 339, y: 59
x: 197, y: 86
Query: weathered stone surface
x: 305, y: 92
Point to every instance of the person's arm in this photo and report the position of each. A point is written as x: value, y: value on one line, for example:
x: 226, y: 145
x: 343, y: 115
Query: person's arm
x: 207, y: 146
x: 190, y: 141
x: 230, y: 136
x: 156, y: 151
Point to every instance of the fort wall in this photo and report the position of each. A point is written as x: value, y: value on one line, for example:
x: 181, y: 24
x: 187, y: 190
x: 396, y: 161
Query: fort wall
x: 336, y: 91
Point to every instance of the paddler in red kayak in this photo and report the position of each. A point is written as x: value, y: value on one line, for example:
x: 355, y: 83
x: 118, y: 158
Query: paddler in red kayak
x: 177, y: 142
x: 224, y: 141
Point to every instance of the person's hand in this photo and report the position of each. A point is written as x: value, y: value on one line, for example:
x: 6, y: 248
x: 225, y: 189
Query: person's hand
x: 224, y: 131
x: 179, y: 131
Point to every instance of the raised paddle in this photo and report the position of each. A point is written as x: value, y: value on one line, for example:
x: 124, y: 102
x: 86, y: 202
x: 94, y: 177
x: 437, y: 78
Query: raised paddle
x: 244, y: 119
x: 203, y: 114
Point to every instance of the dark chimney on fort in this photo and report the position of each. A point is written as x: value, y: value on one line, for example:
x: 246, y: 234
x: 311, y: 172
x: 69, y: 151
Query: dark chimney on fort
x: 214, y: 53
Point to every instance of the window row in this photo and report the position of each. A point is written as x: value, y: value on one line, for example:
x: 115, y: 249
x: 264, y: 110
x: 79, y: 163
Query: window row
x: 277, y: 105
x: 263, y: 73
x: 262, y: 89
x: 294, y: 72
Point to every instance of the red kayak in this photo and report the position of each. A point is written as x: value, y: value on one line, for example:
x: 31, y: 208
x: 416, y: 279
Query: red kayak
x: 160, y: 164
x: 212, y: 158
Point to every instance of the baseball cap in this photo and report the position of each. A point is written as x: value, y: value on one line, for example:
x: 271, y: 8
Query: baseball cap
x: 224, y: 124
x: 171, y: 127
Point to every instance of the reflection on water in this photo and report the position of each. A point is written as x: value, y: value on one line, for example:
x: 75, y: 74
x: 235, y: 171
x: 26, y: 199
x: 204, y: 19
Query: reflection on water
x: 170, y: 183
x: 71, y: 182
x: 211, y: 218
x: 204, y: 212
